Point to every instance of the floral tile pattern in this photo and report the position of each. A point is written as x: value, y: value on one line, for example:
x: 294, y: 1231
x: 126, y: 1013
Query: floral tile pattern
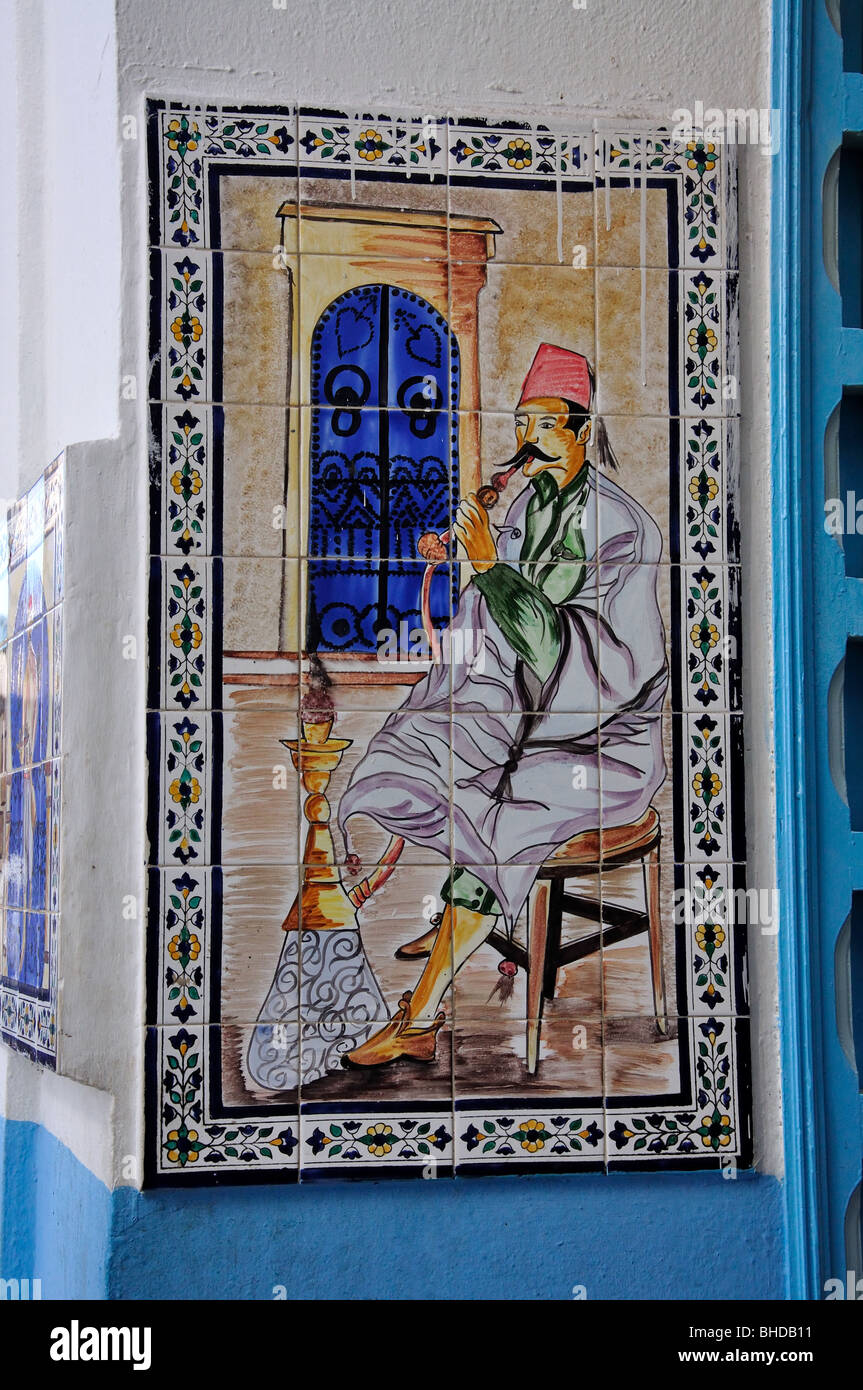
x: 439, y: 794
x: 31, y: 636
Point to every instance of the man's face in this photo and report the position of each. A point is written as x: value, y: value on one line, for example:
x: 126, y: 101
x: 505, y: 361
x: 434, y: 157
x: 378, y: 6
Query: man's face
x: 542, y: 423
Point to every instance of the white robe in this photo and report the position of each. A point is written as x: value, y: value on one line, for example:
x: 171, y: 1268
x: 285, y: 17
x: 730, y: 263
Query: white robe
x: 588, y: 741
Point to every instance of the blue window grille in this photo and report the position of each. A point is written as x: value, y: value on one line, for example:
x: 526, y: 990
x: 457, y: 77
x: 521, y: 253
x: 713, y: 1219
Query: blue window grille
x: 383, y: 465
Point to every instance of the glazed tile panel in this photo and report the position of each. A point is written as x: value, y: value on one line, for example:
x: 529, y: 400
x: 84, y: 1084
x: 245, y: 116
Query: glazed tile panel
x: 447, y: 861
x: 31, y: 635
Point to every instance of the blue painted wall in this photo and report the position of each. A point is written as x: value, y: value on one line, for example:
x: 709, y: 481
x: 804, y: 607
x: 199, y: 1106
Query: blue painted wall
x: 55, y: 1216
x: 664, y: 1236
x: 623, y: 1237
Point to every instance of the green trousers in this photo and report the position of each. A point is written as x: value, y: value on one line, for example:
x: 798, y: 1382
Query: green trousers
x: 464, y: 889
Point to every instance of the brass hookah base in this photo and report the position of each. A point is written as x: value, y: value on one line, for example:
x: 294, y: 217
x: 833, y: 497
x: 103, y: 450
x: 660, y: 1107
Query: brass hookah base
x: 324, y: 1000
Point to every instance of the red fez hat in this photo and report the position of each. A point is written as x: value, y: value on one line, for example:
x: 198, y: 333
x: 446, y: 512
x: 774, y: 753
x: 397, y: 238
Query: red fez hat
x: 557, y: 372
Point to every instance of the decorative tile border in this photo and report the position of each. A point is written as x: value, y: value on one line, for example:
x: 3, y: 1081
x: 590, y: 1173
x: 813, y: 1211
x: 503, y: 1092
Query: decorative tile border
x: 715, y: 911
x: 544, y: 1136
x: 182, y: 464
x: 517, y: 150
x: 183, y: 749
x: 184, y: 141
x: 713, y: 1128
x: 182, y: 900
x: 192, y: 1143
x: 184, y: 364
x: 710, y: 1124
x: 412, y: 145
x: 187, y: 617
x: 423, y: 1141
x: 709, y: 609
x: 713, y: 767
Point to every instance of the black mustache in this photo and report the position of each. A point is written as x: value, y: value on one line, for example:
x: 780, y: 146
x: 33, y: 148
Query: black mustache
x: 532, y: 451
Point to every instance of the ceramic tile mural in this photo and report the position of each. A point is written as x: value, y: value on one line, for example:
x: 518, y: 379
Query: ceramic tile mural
x: 446, y: 843
x: 31, y: 634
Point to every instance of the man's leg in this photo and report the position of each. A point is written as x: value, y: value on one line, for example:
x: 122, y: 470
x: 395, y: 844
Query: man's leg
x: 470, y: 912
x: 469, y: 915
x: 413, y: 1029
x: 460, y: 933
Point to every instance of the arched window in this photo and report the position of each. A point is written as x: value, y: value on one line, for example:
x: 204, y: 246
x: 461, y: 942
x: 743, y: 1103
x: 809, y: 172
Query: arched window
x: 383, y: 464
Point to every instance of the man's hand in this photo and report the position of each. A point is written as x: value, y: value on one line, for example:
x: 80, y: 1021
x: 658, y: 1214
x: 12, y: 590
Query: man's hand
x: 471, y: 527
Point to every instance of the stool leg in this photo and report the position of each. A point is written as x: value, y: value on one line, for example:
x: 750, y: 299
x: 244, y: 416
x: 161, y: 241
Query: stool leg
x: 654, y: 930
x: 554, y: 927
x: 536, y: 943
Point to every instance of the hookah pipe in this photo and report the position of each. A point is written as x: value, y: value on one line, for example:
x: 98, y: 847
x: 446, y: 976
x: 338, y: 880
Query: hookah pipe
x: 434, y: 548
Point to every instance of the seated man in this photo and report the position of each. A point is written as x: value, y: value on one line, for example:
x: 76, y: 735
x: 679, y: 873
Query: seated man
x: 573, y: 677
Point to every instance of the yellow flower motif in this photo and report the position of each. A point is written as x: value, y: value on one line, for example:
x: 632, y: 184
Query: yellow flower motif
x: 186, y: 327
x: 190, y: 791
x: 723, y: 1139
x: 179, y: 1148
x: 534, y: 1140
x: 710, y: 635
x: 379, y: 1137
x: 709, y: 934
x: 712, y: 785
x: 518, y: 153
x: 192, y: 635
x: 707, y: 155
x: 709, y: 489
x: 707, y: 334
x: 177, y: 947
x: 194, y: 482
x: 370, y: 145
x: 178, y: 136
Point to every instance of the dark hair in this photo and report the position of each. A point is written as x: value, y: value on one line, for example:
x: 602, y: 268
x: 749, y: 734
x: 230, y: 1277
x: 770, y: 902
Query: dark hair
x: 578, y: 418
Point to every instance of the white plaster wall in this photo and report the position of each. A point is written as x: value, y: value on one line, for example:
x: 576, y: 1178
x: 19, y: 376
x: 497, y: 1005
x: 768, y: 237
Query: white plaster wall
x: 8, y: 259
x: 623, y: 58
x: 59, y: 382
x: 60, y: 223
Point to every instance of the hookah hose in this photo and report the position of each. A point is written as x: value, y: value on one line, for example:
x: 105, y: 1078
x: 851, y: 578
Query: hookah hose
x: 434, y: 548
x: 361, y: 892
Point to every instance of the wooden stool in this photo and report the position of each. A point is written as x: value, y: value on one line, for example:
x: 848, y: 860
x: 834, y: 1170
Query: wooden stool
x: 592, y: 852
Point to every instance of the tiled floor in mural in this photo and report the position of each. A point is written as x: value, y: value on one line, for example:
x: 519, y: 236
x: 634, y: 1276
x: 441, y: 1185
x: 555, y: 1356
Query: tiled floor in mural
x: 386, y: 725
